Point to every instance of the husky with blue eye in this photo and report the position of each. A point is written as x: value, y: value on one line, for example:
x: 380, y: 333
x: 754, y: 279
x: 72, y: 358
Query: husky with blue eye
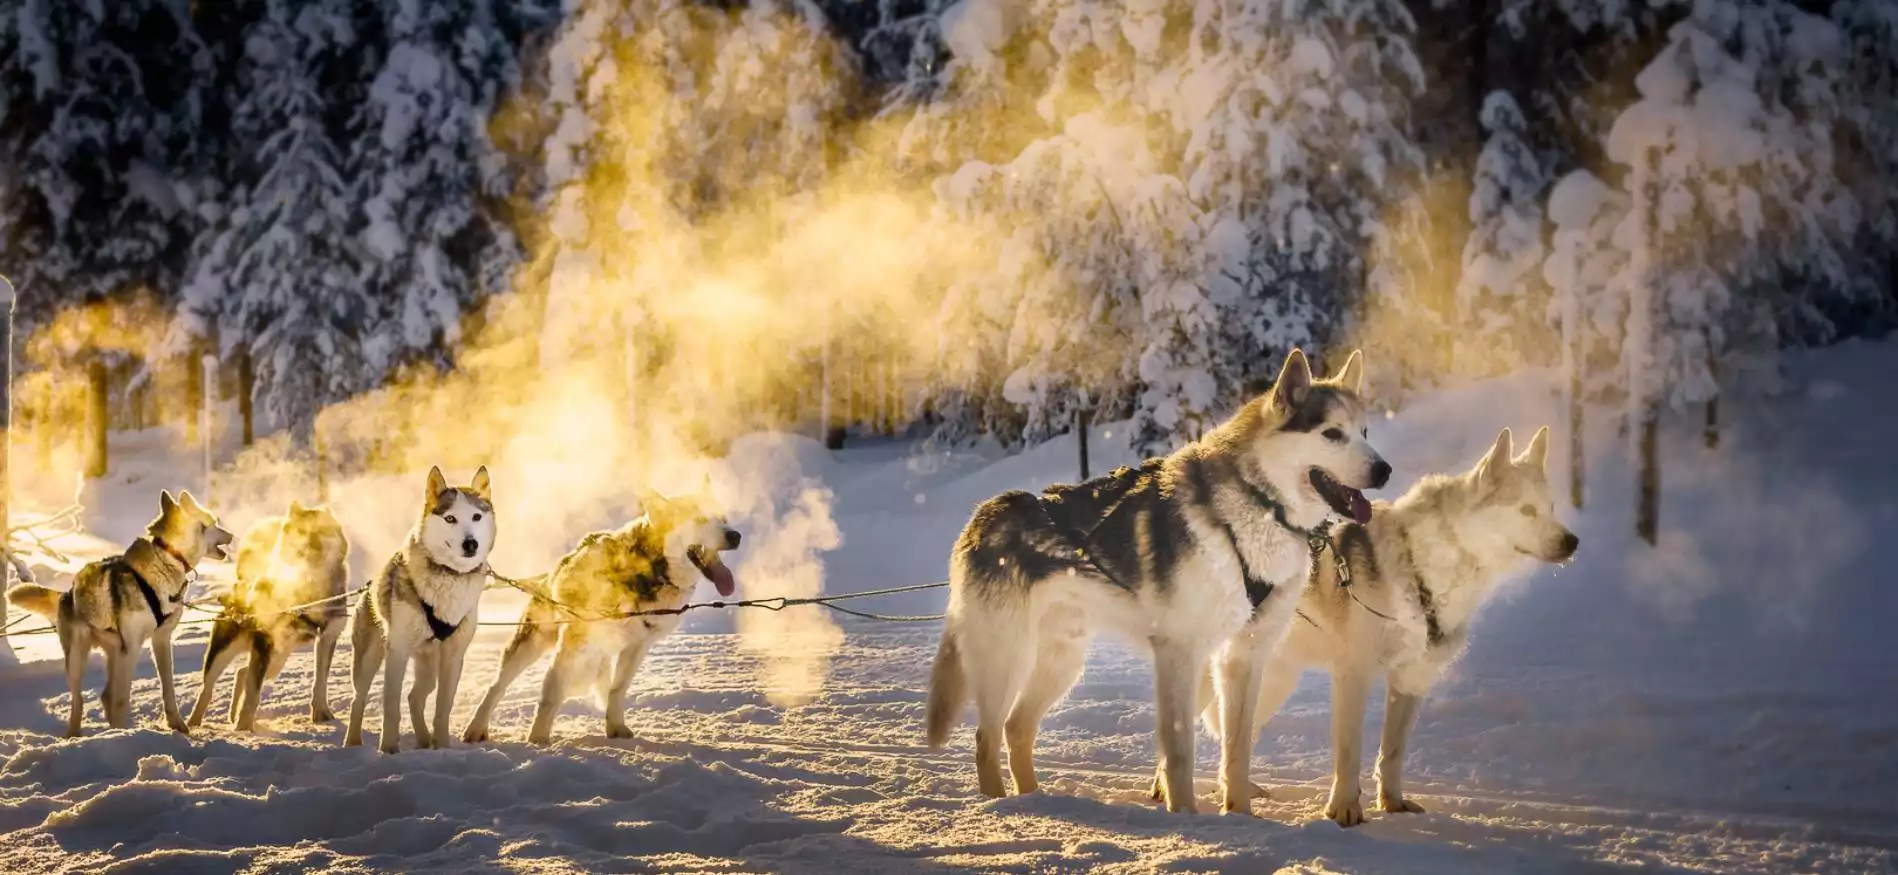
x: 424, y: 607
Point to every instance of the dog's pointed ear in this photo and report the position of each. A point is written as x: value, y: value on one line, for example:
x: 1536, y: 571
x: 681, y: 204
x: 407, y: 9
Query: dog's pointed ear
x: 166, y: 504
x: 1351, y: 376
x: 480, y: 482
x: 1537, y: 455
x: 1496, y: 461
x: 188, y: 500
x: 437, y: 484
x: 296, y: 507
x: 1294, y: 381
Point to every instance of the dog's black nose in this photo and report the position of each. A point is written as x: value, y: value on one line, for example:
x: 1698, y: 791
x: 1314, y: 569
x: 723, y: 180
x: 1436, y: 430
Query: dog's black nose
x: 1569, y: 544
x: 469, y: 546
x: 731, y: 539
x: 1380, y: 474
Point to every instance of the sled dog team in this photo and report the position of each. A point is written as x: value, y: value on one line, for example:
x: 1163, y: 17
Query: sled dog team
x: 292, y: 575
x: 1221, y: 557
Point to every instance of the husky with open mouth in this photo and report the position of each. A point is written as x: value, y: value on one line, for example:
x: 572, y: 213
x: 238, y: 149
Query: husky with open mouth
x: 649, y: 564
x: 1179, y: 554
x: 118, y: 603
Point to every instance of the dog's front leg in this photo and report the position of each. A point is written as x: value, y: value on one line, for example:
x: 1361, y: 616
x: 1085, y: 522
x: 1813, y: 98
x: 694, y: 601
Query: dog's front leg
x: 553, y: 693
x: 78, y: 648
x: 448, y: 674
x: 1238, y: 697
x: 623, y: 672
x: 1348, y: 690
x: 1400, y: 714
x: 119, y: 663
x: 320, y: 686
x: 167, y: 685
x: 392, y: 672
x: 1176, y: 670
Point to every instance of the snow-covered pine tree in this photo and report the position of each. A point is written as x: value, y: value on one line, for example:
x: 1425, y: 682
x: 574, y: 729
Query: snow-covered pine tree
x: 1586, y: 303
x: 1498, y: 295
x: 100, y: 147
x: 278, y: 275
x: 428, y: 177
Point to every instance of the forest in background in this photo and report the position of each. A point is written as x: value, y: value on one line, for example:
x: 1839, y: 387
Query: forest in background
x: 990, y: 218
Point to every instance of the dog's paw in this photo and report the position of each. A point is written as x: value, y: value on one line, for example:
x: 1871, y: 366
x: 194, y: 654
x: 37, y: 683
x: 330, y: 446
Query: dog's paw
x: 475, y: 735
x: 1156, y: 792
x: 618, y: 732
x: 389, y: 747
x: 541, y: 739
x: 352, y: 739
x: 1238, y: 807
x: 324, y: 715
x: 1398, y: 805
x: 1259, y: 792
x: 1347, y: 812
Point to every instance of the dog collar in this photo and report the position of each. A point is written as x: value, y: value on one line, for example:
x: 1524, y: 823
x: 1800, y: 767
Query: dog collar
x: 161, y: 544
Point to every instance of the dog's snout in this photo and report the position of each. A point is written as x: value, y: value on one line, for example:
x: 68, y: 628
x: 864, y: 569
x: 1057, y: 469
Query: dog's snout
x: 1569, y: 544
x: 1380, y: 474
x: 469, y: 546
x: 731, y: 539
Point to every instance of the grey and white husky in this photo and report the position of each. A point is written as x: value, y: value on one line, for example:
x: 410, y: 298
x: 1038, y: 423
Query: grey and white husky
x: 640, y: 566
x: 1178, y: 555
x: 297, y: 560
x: 118, y: 603
x: 424, y: 606
x: 1419, y: 572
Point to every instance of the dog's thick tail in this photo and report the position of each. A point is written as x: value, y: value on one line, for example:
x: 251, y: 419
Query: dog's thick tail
x: 947, y: 689
x: 41, y: 600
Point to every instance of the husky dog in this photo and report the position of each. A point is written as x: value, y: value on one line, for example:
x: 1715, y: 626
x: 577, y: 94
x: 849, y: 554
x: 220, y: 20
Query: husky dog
x: 282, y: 562
x: 118, y: 603
x: 1179, y: 554
x: 424, y: 605
x: 638, y: 567
x: 1418, y: 573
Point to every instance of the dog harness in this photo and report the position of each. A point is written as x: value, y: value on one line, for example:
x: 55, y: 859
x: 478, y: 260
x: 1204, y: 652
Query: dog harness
x: 151, y: 596
x: 436, y: 625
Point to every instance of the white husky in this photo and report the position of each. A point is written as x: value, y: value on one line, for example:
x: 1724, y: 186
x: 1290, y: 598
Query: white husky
x: 1419, y: 572
x: 425, y: 605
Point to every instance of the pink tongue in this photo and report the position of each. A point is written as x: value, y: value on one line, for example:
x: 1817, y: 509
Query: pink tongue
x: 1360, y: 508
x: 722, y: 576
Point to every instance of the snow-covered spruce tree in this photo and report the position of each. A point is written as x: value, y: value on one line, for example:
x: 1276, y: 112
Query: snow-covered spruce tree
x: 1266, y: 141
x: 1869, y: 152
x: 279, y: 273
x: 100, y: 147
x: 428, y: 178
x: 1586, y: 303
x: 1498, y: 296
x: 1737, y: 221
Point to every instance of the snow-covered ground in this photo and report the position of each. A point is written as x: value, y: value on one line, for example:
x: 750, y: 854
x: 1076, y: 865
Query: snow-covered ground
x: 1723, y: 703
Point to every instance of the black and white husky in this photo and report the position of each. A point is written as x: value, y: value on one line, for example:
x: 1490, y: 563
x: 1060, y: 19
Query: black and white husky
x: 424, y: 607
x: 1179, y: 554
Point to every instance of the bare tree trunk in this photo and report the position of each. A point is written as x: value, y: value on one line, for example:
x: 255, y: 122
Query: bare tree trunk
x: 1647, y: 521
x: 246, y: 385
x: 1710, y: 430
x: 208, y: 380
x: 194, y: 395
x: 1576, y: 457
x: 1080, y: 435
x: 322, y: 462
x: 96, y: 422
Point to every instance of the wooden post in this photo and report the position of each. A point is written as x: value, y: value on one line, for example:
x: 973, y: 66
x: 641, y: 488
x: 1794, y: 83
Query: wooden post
x: 208, y: 381
x: 96, y: 423
x: 6, y: 438
x: 1647, y: 521
x: 246, y: 386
